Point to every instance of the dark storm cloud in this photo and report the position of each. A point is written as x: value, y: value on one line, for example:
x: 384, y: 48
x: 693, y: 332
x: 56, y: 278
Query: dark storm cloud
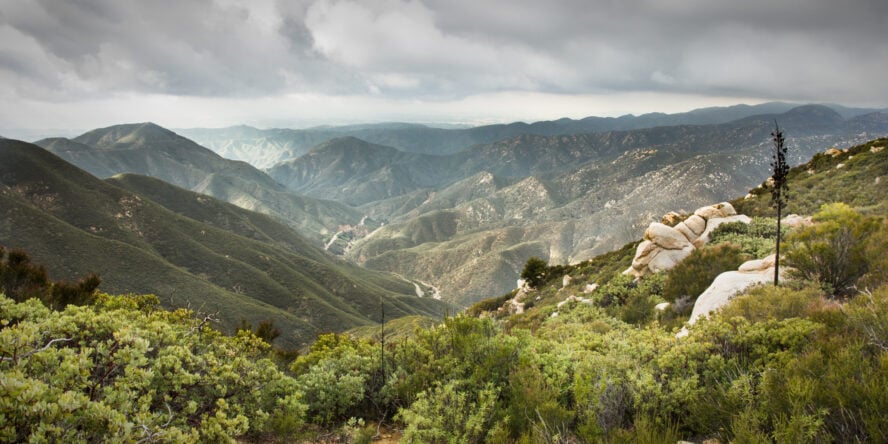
x: 195, y: 47
x: 818, y: 50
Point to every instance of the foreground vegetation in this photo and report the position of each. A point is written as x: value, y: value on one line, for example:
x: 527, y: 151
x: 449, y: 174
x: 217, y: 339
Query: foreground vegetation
x: 802, y: 362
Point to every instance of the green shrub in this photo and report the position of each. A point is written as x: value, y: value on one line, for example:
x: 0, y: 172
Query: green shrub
x: 616, y: 291
x: 868, y: 315
x: 692, y: 276
x: 536, y: 272
x: 755, y: 239
x: 877, y: 259
x: 639, y: 307
x: 538, y: 398
x: 340, y: 377
x: 122, y: 371
x: 774, y: 303
x: 489, y: 304
x: 20, y: 279
x: 450, y: 414
x: 832, y: 252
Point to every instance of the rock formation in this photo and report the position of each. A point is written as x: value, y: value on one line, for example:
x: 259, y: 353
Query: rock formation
x: 795, y: 221
x: 728, y: 284
x: 663, y: 246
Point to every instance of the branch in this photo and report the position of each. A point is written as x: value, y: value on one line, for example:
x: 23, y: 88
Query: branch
x: 211, y: 317
x: 151, y: 436
x: 45, y: 347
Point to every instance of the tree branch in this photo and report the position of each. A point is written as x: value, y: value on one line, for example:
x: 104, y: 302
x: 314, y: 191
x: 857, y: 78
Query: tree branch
x: 45, y: 347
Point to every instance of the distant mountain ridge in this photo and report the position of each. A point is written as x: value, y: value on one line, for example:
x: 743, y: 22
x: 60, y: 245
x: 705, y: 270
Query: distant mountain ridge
x: 264, y: 148
x: 359, y: 173
x: 144, y: 235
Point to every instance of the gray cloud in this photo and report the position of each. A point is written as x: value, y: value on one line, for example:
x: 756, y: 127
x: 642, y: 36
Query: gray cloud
x: 814, y: 50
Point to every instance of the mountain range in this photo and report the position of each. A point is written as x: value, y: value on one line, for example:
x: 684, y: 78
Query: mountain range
x: 265, y: 147
x: 466, y: 222
x: 147, y: 236
x: 462, y: 219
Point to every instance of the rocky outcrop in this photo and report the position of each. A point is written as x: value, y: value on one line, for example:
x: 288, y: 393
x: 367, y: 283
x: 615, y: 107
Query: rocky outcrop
x: 573, y: 298
x: 665, y: 246
x: 565, y: 281
x: 516, y: 305
x: 570, y: 300
x: 833, y: 152
x: 729, y: 284
x: 671, y: 218
x: 796, y: 221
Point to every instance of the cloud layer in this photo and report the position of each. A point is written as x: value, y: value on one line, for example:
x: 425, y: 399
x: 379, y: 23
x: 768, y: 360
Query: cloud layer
x: 439, y: 51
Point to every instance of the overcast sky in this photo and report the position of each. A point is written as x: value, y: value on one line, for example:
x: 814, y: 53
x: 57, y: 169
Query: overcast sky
x: 296, y: 63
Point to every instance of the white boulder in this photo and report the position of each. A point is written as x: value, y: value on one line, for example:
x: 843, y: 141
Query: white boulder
x: 728, y: 284
x: 696, y: 224
x: 665, y: 236
x: 666, y: 259
x: 692, y: 228
x: 723, y: 209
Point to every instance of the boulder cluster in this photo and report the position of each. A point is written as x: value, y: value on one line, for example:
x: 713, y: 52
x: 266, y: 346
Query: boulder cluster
x: 665, y: 246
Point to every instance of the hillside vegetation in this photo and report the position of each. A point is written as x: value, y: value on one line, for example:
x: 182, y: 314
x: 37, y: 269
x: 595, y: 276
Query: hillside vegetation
x: 145, y: 236
x: 855, y: 176
x: 803, y: 362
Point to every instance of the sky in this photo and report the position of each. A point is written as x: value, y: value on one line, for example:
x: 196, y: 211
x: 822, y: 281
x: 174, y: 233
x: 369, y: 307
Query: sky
x: 81, y: 64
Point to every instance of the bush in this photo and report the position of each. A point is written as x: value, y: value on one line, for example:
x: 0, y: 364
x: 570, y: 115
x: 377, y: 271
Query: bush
x: 755, y: 239
x: 615, y: 291
x: 340, y: 377
x: 20, y: 279
x: 490, y: 304
x: 535, y: 272
x: 127, y: 371
x: 877, y: 260
x: 832, y: 252
x: 450, y: 414
x: 692, y: 276
x: 775, y: 303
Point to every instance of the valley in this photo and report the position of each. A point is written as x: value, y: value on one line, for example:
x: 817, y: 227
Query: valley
x: 465, y: 215
x: 467, y: 221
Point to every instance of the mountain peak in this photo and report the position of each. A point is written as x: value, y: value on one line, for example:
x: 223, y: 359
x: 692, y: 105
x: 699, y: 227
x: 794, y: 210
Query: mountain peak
x: 129, y: 133
x: 350, y: 144
x: 815, y: 114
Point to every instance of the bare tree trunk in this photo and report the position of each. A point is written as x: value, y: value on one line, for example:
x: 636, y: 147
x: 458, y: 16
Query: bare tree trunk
x: 777, y: 258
